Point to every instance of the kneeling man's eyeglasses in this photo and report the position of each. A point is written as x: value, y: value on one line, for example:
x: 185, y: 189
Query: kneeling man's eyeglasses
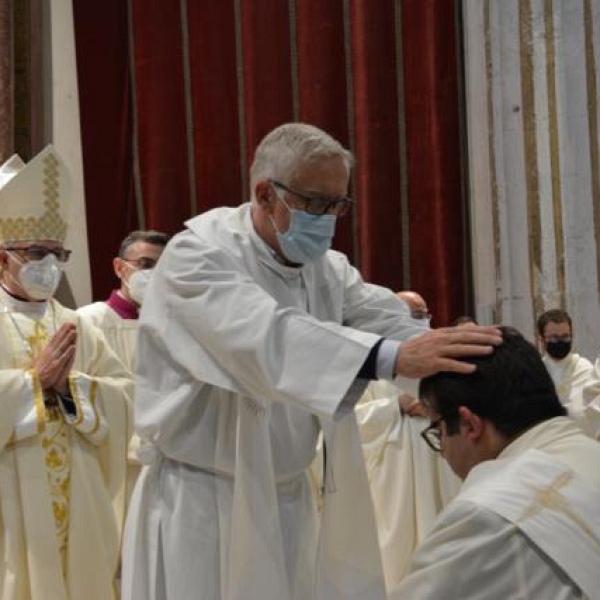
x: 433, y: 436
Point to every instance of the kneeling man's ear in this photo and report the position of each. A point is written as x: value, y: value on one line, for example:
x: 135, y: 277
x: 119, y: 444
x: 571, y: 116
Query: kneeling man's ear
x: 472, y: 423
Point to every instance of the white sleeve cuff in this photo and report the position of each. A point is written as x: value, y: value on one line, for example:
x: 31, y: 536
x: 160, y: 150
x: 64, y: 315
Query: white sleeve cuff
x: 32, y: 413
x: 88, y: 419
x: 386, y: 359
x: 386, y: 369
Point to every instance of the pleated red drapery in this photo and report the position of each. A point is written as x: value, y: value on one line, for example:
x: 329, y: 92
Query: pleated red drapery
x: 217, y: 163
x: 106, y: 127
x: 436, y: 238
x: 377, y: 140
x: 175, y: 97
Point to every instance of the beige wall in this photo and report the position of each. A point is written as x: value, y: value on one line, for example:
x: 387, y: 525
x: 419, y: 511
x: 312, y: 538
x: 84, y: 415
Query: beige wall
x: 63, y: 108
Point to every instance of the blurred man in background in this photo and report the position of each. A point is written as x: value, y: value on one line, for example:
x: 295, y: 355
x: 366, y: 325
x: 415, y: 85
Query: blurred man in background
x: 410, y: 484
x: 570, y: 372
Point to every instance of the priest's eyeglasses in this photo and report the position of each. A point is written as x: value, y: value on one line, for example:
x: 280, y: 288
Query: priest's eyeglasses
x: 318, y: 205
x: 421, y: 314
x: 40, y: 252
x: 433, y: 436
x: 143, y: 263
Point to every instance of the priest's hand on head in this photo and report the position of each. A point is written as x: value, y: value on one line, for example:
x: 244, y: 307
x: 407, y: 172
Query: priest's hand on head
x: 439, y: 349
x: 53, y: 363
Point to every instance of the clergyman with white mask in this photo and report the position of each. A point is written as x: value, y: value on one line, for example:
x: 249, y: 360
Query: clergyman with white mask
x: 65, y: 402
x: 117, y: 317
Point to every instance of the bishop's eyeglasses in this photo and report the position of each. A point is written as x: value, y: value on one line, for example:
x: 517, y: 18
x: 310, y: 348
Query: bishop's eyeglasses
x: 35, y: 253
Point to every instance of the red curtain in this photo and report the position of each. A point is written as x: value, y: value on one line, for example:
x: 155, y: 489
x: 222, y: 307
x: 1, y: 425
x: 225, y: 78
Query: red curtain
x: 214, y: 96
x: 101, y: 35
x: 377, y: 141
x: 436, y: 230
x: 175, y: 96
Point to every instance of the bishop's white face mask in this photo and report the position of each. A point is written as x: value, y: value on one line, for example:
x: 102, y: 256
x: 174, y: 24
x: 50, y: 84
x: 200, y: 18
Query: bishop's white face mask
x: 39, y: 278
x: 137, y: 284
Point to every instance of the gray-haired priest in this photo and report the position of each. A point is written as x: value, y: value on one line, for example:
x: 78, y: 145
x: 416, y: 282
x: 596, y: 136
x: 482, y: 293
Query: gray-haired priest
x: 64, y: 406
x: 253, y: 336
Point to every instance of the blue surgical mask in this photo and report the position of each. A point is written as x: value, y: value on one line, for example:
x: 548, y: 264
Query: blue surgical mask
x: 308, y: 236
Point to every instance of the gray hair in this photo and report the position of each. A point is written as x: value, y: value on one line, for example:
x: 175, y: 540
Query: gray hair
x: 290, y: 146
x: 156, y: 238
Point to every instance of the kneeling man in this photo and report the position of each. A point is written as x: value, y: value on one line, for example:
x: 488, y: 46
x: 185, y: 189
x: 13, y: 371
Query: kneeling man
x: 525, y: 523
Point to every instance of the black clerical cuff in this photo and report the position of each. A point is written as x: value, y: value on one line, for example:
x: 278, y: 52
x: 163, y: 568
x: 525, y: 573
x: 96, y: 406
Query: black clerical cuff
x: 68, y: 404
x: 369, y: 367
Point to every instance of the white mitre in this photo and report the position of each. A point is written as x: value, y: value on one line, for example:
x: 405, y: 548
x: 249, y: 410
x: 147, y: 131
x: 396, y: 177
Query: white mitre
x: 34, y: 198
x: 10, y: 168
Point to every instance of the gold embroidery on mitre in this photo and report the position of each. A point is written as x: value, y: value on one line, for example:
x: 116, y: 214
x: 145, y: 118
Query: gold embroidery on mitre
x: 51, y: 225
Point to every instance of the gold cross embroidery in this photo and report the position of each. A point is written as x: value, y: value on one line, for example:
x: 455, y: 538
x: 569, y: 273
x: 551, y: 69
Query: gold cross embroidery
x: 551, y: 498
x: 38, y: 339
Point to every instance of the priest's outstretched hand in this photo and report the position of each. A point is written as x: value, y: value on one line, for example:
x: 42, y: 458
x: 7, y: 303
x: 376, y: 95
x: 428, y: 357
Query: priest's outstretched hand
x: 441, y: 350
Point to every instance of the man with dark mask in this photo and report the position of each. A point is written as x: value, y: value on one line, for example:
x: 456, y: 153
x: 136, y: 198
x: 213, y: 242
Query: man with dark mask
x: 570, y: 372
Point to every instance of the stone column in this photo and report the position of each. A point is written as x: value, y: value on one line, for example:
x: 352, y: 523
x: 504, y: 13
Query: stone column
x: 532, y: 76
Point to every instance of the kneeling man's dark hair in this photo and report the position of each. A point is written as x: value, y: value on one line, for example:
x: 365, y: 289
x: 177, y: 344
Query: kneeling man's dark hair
x: 511, y: 388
